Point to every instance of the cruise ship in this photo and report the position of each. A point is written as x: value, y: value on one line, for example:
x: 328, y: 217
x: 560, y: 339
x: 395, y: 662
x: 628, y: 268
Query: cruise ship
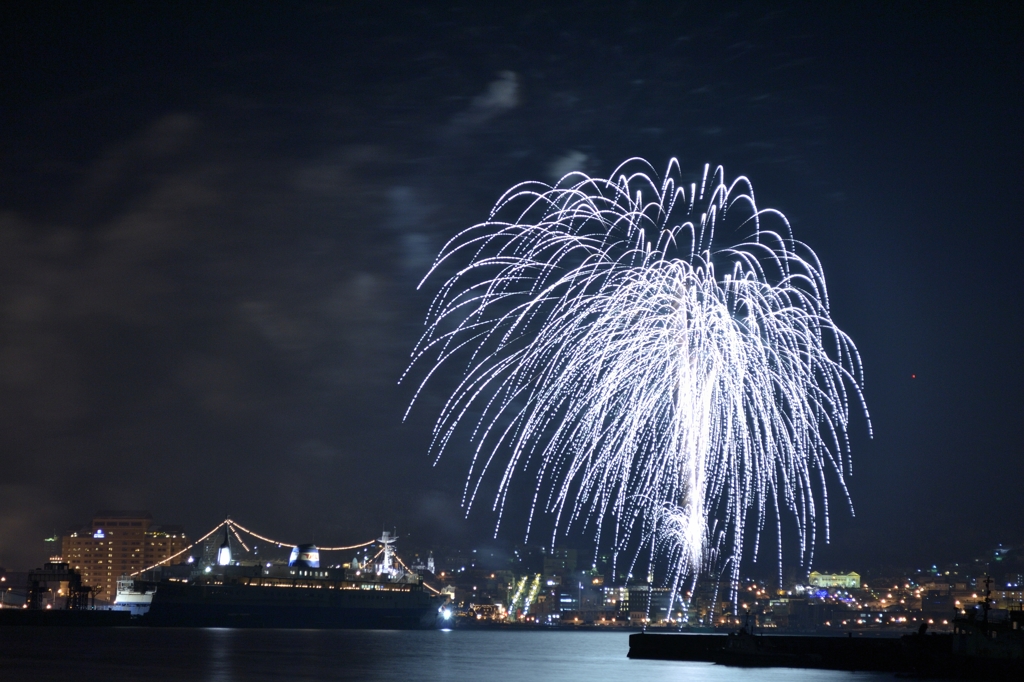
x: 299, y: 594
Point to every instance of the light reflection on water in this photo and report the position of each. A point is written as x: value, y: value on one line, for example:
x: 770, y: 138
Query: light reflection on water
x: 220, y: 655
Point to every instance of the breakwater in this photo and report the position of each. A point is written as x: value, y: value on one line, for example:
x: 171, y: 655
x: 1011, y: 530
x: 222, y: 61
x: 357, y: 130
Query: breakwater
x: 944, y: 655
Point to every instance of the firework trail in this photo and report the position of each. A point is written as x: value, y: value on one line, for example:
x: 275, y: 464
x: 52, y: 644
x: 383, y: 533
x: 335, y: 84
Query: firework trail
x: 662, y: 389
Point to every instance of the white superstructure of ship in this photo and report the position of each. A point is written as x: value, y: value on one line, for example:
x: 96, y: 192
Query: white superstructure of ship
x: 133, y: 596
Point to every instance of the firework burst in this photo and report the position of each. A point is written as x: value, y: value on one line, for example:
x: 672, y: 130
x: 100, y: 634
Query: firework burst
x: 658, y: 387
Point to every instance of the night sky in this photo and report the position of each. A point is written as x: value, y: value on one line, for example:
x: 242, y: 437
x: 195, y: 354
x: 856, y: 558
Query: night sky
x: 212, y: 223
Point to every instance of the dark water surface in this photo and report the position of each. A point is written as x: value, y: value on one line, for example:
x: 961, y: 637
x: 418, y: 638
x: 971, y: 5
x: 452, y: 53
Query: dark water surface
x: 221, y: 655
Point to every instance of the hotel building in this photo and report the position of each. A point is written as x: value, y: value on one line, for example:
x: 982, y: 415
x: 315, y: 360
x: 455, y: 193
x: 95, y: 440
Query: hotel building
x: 116, y: 543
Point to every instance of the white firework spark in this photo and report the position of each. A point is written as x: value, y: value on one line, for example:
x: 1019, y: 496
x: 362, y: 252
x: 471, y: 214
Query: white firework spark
x: 661, y: 388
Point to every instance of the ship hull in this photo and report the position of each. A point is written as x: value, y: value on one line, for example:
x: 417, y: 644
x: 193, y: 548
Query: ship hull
x: 322, y: 607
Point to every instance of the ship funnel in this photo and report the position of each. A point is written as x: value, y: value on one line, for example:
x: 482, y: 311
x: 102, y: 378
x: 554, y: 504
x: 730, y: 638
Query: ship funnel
x: 224, y: 553
x: 305, y: 556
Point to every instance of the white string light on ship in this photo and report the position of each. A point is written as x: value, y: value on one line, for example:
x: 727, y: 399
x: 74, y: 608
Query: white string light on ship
x: 235, y: 527
x: 279, y: 543
x: 238, y: 537
x: 175, y: 556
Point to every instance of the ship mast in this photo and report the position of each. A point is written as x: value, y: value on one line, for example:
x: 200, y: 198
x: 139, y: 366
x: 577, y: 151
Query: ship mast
x: 387, y: 564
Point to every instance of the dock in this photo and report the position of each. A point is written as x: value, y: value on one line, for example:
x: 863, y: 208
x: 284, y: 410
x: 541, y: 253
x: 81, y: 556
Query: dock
x: 923, y: 655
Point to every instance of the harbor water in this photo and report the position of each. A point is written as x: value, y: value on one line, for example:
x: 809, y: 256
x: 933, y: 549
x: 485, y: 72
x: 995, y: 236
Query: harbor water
x: 225, y: 655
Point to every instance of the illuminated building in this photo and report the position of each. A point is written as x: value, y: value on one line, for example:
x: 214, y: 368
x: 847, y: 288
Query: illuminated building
x: 115, y: 543
x: 847, y: 581
x: 52, y: 547
x: 648, y: 605
x: 560, y: 563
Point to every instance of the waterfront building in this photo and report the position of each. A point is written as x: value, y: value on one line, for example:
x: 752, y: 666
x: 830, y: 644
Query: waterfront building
x: 846, y: 581
x: 117, y: 543
x: 12, y: 588
x: 559, y: 564
x: 52, y: 547
x: 1008, y: 599
x: 648, y: 604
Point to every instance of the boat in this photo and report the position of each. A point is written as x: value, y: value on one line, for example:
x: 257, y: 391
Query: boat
x: 299, y: 594
x: 134, y: 596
